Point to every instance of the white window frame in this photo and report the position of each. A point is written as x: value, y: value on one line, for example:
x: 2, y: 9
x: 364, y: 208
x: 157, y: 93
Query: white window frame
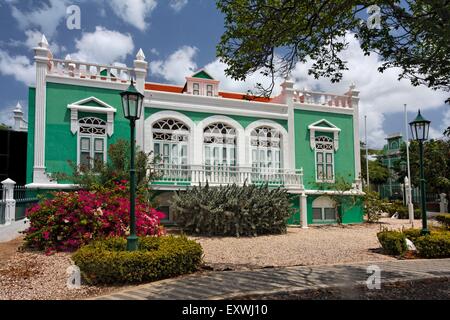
x: 256, y: 163
x: 220, y: 147
x: 92, y: 137
x: 172, y: 143
x: 194, y: 90
x: 322, y: 203
x: 160, y: 115
x: 284, y: 141
x: 324, y: 163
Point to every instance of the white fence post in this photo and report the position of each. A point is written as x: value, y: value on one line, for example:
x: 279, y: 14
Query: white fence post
x: 443, y: 203
x: 10, y: 203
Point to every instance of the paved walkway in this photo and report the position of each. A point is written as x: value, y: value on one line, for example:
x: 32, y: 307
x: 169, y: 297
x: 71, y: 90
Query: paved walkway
x: 229, y: 284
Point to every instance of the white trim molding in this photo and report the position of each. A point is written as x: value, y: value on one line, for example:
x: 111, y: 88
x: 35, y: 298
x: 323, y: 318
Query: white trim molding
x: 285, y: 148
x: 313, y: 127
x: 78, y: 106
x: 240, y: 136
x: 169, y: 114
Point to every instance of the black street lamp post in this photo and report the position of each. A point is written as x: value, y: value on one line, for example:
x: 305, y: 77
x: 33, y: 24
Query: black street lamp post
x: 132, y: 101
x: 419, y: 129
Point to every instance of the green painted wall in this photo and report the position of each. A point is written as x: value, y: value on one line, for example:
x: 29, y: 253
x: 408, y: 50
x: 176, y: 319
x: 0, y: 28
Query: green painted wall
x: 60, y: 143
x: 344, y: 158
x: 199, y: 116
x: 30, y: 144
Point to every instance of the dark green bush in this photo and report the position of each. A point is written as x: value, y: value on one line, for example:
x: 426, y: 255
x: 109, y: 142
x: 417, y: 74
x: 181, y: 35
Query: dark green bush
x: 249, y: 210
x: 412, y: 234
x: 434, y: 245
x: 444, y: 219
x: 393, y: 242
x: 107, y: 261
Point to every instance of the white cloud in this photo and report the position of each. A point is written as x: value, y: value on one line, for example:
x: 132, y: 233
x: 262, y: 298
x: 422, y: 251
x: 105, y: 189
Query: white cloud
x: 103, y: 46
x: 6, y: 115
x: 217, y: 71
x: 34, y: 37
x: 381, y: 93
x: 46, y: 18
x: 181, y: 64
x: 134, y: 12
x: 19, y: 67
x: 177, y: 66
x: 177, y: 5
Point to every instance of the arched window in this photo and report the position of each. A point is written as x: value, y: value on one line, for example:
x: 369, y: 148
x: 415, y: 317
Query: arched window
x: 92, y: 141
x: 170, y: 141
x: 324, y: 150
x: 324, y: 209
x: 219, y: 144
x: 265, y: 144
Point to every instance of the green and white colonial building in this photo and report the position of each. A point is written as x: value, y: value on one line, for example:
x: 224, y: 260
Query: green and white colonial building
x: 299, y: 139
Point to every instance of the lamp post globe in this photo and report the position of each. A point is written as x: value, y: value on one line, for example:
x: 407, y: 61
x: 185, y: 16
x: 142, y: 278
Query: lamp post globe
x: 420, y: 128
x: 132, y: 101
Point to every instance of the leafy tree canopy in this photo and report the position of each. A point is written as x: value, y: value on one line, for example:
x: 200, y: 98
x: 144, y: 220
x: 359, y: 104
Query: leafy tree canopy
x: 436, y: 165
x: 273, y: 35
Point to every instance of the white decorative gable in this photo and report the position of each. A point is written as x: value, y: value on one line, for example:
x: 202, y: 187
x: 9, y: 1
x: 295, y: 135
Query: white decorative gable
x: 323, y: 126
x: 100, y: 107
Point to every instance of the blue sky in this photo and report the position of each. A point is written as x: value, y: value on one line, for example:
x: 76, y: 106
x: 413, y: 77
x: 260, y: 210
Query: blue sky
x: 178, y: 37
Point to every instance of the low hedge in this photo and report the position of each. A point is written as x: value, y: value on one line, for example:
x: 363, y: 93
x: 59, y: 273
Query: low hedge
x: 435, y: 245
x: 107, y: 261
x: 412, y: 234
x: 393, y: 242
x: 444, y: 219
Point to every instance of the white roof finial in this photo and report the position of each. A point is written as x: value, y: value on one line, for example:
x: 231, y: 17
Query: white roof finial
x: 44, y: 42
x: 68, y: 57
x: 140, y: 55
x: 352, y: 86
x: 18, y: 107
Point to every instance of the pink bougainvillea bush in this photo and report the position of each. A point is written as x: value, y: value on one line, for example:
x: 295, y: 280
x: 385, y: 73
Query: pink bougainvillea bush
x: 69, y: 220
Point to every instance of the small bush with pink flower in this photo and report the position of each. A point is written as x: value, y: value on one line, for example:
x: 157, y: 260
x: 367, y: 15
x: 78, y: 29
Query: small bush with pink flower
x: 68, y: 220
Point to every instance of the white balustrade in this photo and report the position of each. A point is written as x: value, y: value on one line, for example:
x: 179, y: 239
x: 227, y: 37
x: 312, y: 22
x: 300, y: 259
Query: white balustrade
x: 185, y: 175
x: 83, y: 70
x: 323, y: 98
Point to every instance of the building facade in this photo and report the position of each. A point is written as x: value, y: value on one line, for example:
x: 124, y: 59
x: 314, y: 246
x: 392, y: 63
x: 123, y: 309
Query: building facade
x: 299, y: 140
x: 391, y: 155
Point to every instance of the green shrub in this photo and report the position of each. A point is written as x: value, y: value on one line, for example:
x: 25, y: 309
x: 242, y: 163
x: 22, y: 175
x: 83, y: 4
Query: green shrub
x: 397, y: 207
x: 412, y: 234
x: 107, y: 261
x: 249, y: 210
x: 444, y: 219
x: 373, y: 206
x: 435, y: 245
x: 393, y: 242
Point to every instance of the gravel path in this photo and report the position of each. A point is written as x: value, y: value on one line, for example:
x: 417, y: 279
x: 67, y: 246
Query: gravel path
x: 326, y: 244
x: 33, y: 275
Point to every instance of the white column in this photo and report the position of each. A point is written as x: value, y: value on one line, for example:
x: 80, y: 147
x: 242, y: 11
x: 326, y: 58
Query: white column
x: 42, y: 58
x: 355, y: 101
x: 8, y: 196
x: 140, y: 71
x: 303, y: 211
x: 288, y: 95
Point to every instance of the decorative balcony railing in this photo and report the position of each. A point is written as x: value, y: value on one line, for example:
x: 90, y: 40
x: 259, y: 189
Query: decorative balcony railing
x: 323, y: 98
x: 83, y: 70
x: 187, y: 175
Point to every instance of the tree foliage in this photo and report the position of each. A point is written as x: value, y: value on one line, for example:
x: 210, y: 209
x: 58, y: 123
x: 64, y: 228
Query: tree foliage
x: 378, y: 173
x: 436, y: 165
x: 273, y: 35
x: 117, y: 169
